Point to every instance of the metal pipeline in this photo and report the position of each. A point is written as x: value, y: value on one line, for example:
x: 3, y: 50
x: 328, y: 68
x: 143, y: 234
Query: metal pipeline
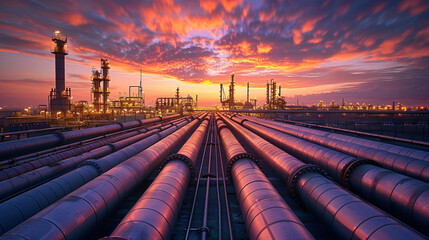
x: 85, y: 147
x: 381, y: 184
x: 346, y: 214
x: 401, y: 196
x: 415, y: 168
x: 26, y: 180
x: 404, y: 151
x: 155, y: 212
x: 346, y: 225
x: 92, y: 202
x: 29, y: 145
x: 23, y: 206
x: 266, y: 214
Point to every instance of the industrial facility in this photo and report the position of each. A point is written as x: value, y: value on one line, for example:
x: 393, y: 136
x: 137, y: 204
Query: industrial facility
x: 119, y: 168
x: 213, y: 175
x: 230, y: 102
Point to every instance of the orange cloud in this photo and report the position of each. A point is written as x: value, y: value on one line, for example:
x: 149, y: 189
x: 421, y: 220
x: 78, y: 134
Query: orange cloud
x: 297, y: 37
x: 208, y: 5
x: 264, y: 48
x: 415, y: 7
x: 388, y: 46
x: 228, y: 5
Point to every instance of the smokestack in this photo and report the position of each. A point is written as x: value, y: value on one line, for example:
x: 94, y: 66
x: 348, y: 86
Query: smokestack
x: 280, y: 90
x: 268, y: 92
x: 247, y: 92
x: 59, y: 48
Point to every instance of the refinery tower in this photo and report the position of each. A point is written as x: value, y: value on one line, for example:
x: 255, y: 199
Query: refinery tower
x: 59, y: 97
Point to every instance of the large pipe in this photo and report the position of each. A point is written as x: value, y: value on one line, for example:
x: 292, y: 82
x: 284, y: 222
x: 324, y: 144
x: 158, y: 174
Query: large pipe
x: 92, y: 202
x: 38, y: 162
x: 379, y: 136
x: 415, y: 168
x: 353, y: 223
x: 349, y: 216
x: 29, y: 145
x: 376, y: 181
x: 155, y: 212
x: 23, y: 206
x: 266, y: 214
x: 26, y: 180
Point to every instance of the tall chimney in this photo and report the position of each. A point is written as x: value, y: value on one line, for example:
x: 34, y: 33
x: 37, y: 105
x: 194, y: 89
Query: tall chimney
x: 247, y: 92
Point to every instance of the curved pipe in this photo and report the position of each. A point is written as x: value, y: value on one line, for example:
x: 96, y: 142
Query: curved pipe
x: 92, y: 202
x: 155, y: 212
x: 266, y: 214
x: 23, y: 206
x: 348, y: 224
x: 415, y: 168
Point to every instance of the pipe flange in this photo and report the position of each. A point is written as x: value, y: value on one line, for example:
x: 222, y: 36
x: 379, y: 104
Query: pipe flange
x: 221, y: 126
x: 345, y: 172
x: 112, y: 146
x: 93, y: 163
x: 293, y: 179
x: 242, y: 121
x: 61, y: 136
x: 178, y: 156
x: 239, y: 156
x: 122, y: 125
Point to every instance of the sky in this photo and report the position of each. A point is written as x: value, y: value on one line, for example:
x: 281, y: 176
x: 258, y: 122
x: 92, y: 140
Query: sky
x: 372, y: 51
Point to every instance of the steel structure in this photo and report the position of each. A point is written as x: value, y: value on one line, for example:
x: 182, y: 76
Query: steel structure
x: 59, y: 97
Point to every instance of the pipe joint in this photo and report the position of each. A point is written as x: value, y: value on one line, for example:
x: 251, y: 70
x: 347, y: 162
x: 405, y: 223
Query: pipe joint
x: 181, y: 157
x: 122, y: 125
x: 112, y: 146
x: 94, y: 164
x: 61, y: 137
x: 239, y: 156
x: 348, y: 169
x: 294, y: 177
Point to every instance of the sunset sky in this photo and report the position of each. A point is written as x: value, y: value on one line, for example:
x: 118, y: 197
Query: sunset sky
x: 372, y: 51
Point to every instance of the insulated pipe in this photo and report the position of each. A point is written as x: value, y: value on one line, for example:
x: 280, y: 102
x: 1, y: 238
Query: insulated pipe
x: 281, y: 162
x: 43, y: 161
x: 29, y: 145
x: 404, y: 151
x: 379, y: 186
x: 20, y: 169
x: 346, y: 214
x: 31, y: 178
x: 402, y: 196
x: 354, y: 225
x: 92, y: 202
x: 266, y: 214
x: 23, y: 206
x: 415, y: 168
x: 155, y: 212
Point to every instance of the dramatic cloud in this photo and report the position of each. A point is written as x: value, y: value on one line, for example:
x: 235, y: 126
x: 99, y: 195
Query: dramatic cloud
x: 330, y: 47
